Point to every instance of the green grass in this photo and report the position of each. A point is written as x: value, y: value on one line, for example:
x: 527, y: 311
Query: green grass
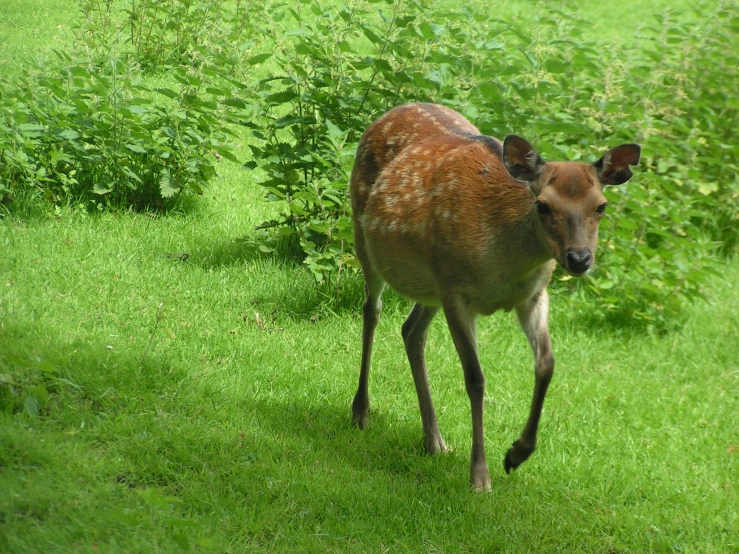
x: 30, y: 29
x: 208, y: 399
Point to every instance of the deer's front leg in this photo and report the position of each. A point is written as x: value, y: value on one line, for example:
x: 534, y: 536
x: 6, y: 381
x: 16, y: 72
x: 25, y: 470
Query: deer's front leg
x: 534, y: 318
x: 462, y: 327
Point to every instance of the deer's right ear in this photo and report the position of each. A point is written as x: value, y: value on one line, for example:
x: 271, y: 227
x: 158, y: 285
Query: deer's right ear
x: 521, y: 159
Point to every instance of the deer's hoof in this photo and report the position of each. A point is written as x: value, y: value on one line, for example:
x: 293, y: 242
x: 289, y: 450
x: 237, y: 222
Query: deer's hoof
x: 435, y: 445
x: 516, y: 455
x: 480, y: 479
x: 360, y: 415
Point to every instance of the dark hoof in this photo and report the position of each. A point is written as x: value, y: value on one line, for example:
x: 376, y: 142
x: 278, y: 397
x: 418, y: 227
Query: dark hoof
x: 360, y: 412
x: 508, y: 464
x: 516, y: 455
x: 361, y: 420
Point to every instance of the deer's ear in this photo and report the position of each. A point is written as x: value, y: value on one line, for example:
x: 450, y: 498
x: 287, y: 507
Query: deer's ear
x: 521, y: 159
x: 613, y: 167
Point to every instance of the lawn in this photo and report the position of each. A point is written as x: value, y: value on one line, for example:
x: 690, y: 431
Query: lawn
x: 200, y: 390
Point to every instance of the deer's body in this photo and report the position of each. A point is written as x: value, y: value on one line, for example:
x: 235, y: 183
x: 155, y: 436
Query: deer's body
x: 439, y: 217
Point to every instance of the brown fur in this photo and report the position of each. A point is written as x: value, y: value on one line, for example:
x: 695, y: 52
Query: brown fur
x: 439, y: 217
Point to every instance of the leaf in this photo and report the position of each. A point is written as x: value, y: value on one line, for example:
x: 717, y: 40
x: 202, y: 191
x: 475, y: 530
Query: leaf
x: 282, y: 96
x: 707, y: 188
x: 40, y: 393
x: 167, y: 186
x: 102, y: 189
x: 181, y: 540
x: 169, y: 93
x: 136, y: 148
x: 138, y: 110
x: 47, y: 367
x: 7, y: 397
x: 128, y: 171
x: 31, y: 128
x: 259, y: 58
x: 235, y: 102
x: 68, y: 134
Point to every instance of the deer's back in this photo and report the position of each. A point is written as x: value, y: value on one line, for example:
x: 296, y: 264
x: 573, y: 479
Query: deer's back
x: 393, y: 133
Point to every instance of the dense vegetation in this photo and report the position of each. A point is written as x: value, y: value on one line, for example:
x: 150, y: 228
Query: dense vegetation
x: 173, y: 379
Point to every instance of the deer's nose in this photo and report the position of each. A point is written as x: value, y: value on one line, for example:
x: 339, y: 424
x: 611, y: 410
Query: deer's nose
x: 579, y: 260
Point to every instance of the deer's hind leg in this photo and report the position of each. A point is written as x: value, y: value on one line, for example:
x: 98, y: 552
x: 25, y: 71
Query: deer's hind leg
x: 373, y: 287
x: 415, y: 330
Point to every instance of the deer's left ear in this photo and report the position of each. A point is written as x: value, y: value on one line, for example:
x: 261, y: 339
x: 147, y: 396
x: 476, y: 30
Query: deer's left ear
x: 613, y: 167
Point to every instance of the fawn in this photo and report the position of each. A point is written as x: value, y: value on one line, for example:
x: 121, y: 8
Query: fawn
x: 465, y: 223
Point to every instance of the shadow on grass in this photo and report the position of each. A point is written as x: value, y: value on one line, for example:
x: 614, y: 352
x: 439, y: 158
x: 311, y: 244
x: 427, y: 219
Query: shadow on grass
x: 248, y: 249
x: 136, y: 408
x: 244, y: 462
x: 298, y: 295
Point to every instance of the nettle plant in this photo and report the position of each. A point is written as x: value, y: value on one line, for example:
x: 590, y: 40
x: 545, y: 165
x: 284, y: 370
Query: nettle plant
x: 94, y: 133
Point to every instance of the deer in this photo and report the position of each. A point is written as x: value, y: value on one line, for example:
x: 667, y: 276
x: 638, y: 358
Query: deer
x: 464, y: 223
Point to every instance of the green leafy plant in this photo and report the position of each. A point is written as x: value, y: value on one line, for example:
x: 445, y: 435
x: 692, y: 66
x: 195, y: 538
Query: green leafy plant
x: 94, y: 133
x: 156, y: 35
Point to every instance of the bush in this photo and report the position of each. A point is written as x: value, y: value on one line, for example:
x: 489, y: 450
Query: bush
x: 84, y: 132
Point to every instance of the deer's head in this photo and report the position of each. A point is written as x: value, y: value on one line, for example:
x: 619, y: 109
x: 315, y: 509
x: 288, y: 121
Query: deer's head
x: 569, y: 197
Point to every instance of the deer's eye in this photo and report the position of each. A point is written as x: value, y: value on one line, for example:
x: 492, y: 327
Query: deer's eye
x: 543, y: 208
x: 600, y: 210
